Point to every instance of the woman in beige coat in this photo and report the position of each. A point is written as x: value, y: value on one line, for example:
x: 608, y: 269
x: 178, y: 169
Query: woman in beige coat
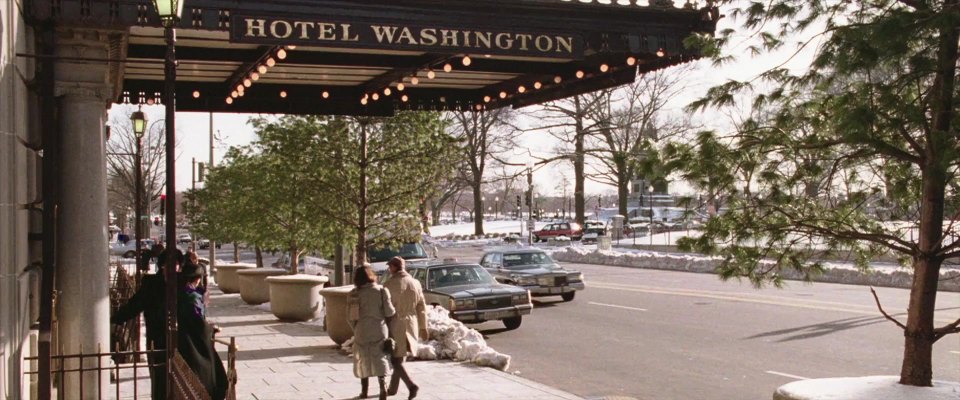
x: 409, y: 325
x: 370, y: 309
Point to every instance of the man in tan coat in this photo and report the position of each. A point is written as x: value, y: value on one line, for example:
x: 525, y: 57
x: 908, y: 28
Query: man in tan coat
x: 409, y: 325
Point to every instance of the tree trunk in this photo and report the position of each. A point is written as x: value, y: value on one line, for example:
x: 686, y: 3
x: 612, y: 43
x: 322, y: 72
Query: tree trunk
x: 579, y: 178
x: 424, y: 217
x: 361, y: 249
x: 236, y: 252
x: 478, y: 207
x: 917, y: 369
x: 623, y: 191
x: 259, y: 252
x: 294, y: 259
x: 435, y: 210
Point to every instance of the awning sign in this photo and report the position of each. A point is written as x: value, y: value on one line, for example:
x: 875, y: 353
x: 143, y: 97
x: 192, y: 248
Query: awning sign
x: 394, y: 36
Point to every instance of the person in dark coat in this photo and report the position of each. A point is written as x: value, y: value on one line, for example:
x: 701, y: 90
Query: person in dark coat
x: 149, y: 300
x: 195, y: 335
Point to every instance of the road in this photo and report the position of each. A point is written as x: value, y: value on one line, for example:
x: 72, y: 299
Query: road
x: 662, y: 335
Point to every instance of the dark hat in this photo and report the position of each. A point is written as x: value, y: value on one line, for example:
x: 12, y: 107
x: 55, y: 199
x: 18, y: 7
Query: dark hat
x: 192, y: 271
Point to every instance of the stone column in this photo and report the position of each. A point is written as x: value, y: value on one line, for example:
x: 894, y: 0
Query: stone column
x: 83, y: 274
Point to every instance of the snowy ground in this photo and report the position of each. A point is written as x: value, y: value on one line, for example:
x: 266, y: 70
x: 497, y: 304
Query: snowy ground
x: 865, y: 388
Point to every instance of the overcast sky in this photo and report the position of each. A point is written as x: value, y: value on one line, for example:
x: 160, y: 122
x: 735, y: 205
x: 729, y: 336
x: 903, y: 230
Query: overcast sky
x: 232, y: 129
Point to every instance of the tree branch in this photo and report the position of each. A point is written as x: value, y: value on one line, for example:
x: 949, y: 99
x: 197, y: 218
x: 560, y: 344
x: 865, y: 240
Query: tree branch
x: 887, y: 316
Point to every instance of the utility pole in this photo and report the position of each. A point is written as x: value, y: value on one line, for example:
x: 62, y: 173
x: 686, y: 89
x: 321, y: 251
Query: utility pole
x: 213, y: 246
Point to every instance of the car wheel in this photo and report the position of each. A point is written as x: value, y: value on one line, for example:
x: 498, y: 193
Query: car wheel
x: 130, y: 254
x: 512, y: 323
x: 568, y: 296
x: 536, y: 239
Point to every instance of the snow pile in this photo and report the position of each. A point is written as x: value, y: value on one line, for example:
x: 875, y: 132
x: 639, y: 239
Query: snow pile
x: 865, y: 388
x: 451, y: 339
x: 880, y: 275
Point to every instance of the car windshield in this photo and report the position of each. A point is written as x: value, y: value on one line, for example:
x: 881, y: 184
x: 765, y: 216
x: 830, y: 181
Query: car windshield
x: 527, y: 260
x: 407, y: 252
x: 459, y: 275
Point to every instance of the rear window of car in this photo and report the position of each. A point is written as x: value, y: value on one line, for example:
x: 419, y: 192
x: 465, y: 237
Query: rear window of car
x: 526, y: 260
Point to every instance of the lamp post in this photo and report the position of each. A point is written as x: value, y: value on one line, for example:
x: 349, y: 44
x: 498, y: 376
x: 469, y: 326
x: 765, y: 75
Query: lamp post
x: 139, y: 120
x: 530, y: 199
x: 650, y: 189
x: 496, y: 207
x: 169, y: 12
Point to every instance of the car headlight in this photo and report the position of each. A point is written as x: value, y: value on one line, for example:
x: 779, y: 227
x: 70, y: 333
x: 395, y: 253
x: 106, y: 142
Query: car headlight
x: 545, y: 281
x: 465, y: 304
x: 524, y: 280
x: 578, y: 277
x: 521, y: 298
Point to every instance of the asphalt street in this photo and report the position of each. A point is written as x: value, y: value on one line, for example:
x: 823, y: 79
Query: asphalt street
x: 662, y: 335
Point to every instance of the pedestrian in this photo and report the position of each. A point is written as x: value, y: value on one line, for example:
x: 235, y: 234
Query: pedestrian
x: 409, y: 326
x: 149, y: 300
x: 369, y: 311
x: 195, y: 335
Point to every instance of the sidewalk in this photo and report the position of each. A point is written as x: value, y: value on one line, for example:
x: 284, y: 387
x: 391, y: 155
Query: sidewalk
x: 299, y: 361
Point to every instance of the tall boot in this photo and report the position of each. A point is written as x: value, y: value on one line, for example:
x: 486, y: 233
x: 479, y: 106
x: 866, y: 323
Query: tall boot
x: 364, y: 384
x: 383, y: 387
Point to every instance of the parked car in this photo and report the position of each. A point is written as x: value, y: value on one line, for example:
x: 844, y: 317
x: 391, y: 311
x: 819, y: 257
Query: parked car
x: 571, y: 230
x: 129, y: 250
x: 184, y: 238
x: 592, y: 230
x: 470, y: 293
x: 533, y: 270
x: 378, y: 257
x: 205, y: 244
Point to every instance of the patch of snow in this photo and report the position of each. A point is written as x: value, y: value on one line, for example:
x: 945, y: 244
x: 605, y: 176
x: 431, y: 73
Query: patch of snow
x: 451, y: 339
x: 865, y: 388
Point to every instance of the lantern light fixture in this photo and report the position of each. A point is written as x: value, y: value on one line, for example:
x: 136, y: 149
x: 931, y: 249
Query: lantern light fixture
x: 169, y: 10
x: 139, y: 119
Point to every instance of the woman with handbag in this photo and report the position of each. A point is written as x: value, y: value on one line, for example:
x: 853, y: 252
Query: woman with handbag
x: 370, y: 310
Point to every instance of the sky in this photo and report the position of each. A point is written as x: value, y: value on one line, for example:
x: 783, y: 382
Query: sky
x: 193, y: 129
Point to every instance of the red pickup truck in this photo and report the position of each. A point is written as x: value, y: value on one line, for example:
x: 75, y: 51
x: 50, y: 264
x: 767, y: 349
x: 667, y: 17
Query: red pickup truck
x: 571, y: 230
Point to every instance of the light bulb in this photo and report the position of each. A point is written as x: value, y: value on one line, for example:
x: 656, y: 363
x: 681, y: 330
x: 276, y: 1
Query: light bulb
x: 241, y: 94
x: 326, y: 94
x: 196, y: 94
x: 414, y: 81
x: 271, y: 62
x: 239, y: 87
x: 479, y: 107
x: 247, y: 82
x: 604, y: 67
x: 291, y: 47
x: 447, y: 67
x: 234, y: 93
x: 281, y: 54
x: 283, y: 94
x: 404, y: 98
x: 557, y: 79
x: 580, y: 74
x: 363, y: 101
x: 254, y: 76
x: 229, y: 100
x: 262, y: 69
x: 661, y: 53
x: 631, y: 61
x: 537, y: 85
x: 387, y: 92
x: 503, y: 95
x: 486, y: 99
x: 376, y: 96
x: 521, y: 89
x: 431, y: 74
x: 467, y: 61
x: 400, y: 86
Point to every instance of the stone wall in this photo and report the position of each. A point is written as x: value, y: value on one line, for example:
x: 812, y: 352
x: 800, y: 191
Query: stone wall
x: 950, y: 281
x: 19, y: 187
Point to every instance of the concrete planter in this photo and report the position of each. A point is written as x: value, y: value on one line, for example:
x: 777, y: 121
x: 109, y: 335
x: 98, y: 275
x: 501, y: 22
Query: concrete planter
x: 296, y: 297
x: 226, y: 276
x: 336, y: 319
x: 253, y: 284
x: 865, y: 388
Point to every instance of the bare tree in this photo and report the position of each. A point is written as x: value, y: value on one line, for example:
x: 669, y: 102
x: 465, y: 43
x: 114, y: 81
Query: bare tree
x: 122, y: 166
x: 483, y: 136
x: 630, y: 123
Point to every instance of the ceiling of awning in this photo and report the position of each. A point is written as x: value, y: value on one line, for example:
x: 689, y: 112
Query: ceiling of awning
x: 220, y: 65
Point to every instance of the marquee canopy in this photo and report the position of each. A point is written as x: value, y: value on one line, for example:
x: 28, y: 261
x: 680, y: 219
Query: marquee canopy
x: 373, y: 57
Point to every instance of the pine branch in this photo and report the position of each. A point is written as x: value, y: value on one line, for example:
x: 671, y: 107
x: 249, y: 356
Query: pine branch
x: 887, y: 316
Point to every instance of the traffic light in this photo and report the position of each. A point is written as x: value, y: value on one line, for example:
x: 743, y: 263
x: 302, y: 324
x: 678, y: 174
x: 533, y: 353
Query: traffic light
x: 527, y: 200
x: 163, y: 204
x: 518, y: 201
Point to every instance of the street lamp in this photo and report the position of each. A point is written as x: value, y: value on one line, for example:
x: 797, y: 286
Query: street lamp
x: 650, y: 190
x: 139, y: 120
x: 169, y: 12
x: 530, y: 198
